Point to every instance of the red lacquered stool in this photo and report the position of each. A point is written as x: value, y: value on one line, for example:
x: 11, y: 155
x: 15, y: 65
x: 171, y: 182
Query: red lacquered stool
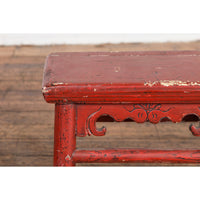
x: 143, y: 86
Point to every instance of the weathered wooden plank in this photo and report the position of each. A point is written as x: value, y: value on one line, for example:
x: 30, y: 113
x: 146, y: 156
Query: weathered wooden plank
x: 21, y: 95
x: 45, y: 147
x: 26, y: 106
x: 22, y: 59
x: 36, y: 160
x: 21, y: 73
x: 141, y: 143
x: 20, y: 85
x: 7, y: 51
x: 27, y: 148
x: 14, y: 123
x: 28, y: 118
x: 44, y: 50
x: 26, y: 132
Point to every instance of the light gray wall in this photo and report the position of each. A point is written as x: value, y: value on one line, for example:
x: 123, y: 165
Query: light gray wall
x: 45, y: 39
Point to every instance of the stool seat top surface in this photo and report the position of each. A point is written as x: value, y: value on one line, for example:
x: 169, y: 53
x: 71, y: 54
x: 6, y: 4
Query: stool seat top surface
x: 122, y: 77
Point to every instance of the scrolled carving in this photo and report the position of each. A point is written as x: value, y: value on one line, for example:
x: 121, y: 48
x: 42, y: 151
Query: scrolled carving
x: 153, y: 112
x: 87, y: 115
x: 91, y: 124
x: 195, y: 130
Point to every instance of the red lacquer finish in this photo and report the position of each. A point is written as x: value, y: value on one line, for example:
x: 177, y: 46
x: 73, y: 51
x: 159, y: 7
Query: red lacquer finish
x: 123, y: 93
x: 195, y: 130
x: 142, y: 86
x: 64, y: 136
x: 128, y: 77
x: 136, y: 155
x: 87, y: 115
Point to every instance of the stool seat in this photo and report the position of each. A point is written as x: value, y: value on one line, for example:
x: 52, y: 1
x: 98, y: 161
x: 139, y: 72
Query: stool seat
x: 122, y: 77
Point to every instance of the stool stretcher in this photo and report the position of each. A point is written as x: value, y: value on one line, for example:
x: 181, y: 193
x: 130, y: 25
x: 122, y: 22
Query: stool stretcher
x: 134, y: 155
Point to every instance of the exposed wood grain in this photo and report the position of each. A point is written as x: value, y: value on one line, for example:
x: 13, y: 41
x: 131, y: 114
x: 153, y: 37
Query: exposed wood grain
x: 25, y: 106
x: 16, y: 72
x: 22, y: 59
x: 26, y: 120
x: 21, y: 85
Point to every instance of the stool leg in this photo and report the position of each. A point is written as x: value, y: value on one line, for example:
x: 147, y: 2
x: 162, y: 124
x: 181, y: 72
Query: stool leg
x: 64, y: 134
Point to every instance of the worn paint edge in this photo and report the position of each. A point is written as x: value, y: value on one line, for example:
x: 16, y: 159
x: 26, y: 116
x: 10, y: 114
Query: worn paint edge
x: 167, y: 83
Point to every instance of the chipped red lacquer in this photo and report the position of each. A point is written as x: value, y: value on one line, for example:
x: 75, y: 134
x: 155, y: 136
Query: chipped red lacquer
x: 142, y: 86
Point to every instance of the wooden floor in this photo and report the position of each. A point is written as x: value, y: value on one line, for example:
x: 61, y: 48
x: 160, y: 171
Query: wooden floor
x: 26, y: 120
